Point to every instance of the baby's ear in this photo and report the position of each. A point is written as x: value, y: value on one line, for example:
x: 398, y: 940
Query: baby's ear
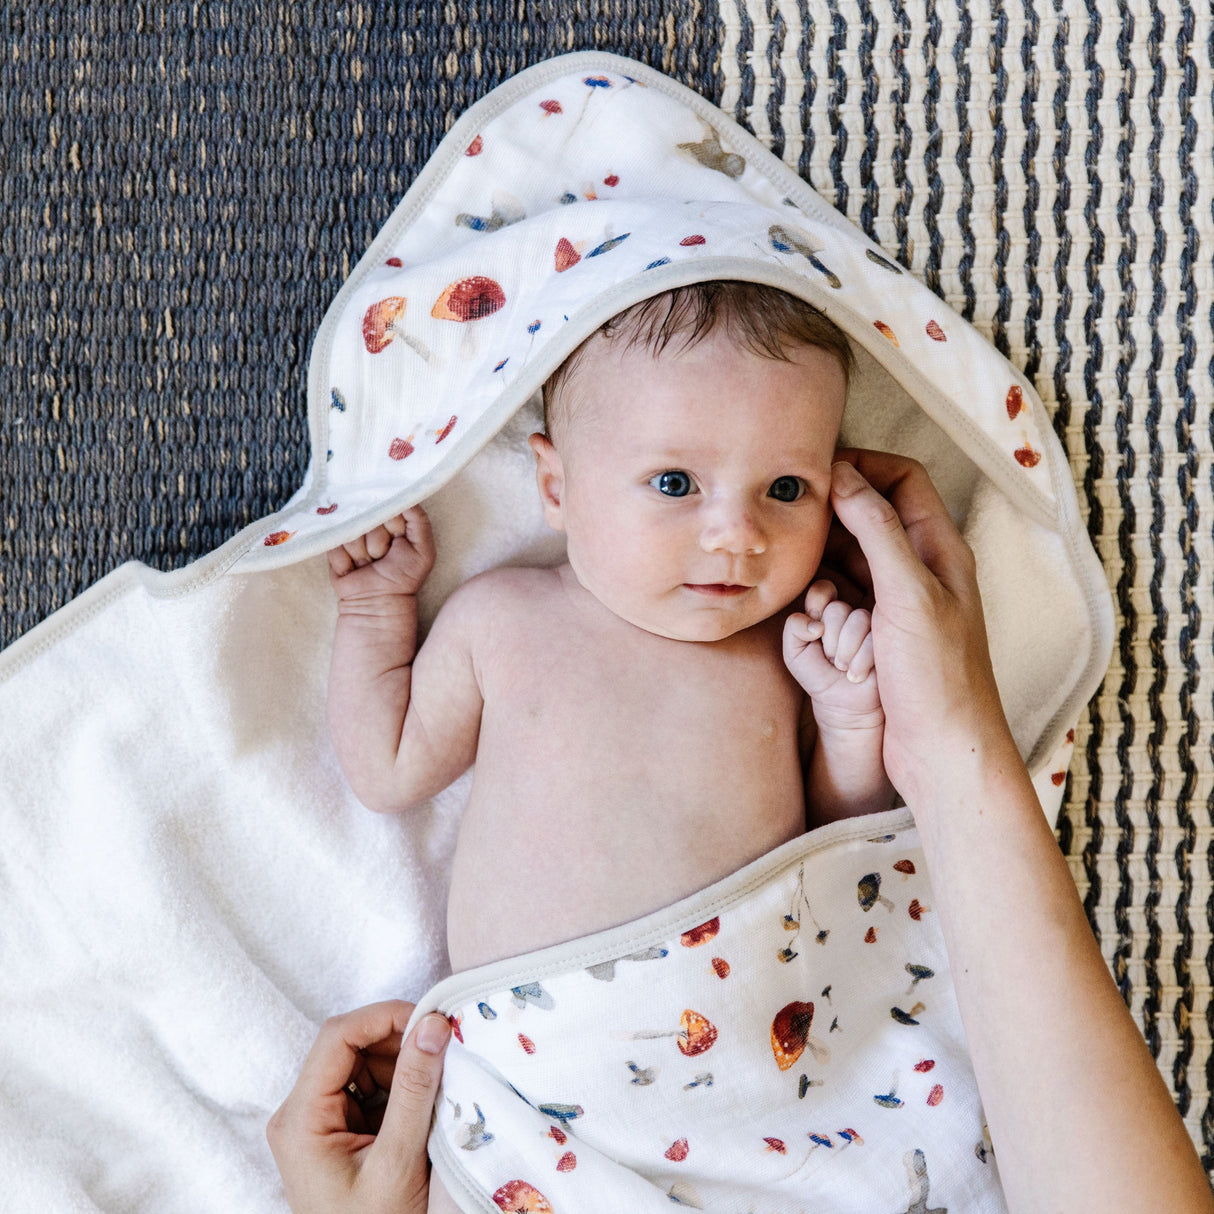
x: 549, y: 479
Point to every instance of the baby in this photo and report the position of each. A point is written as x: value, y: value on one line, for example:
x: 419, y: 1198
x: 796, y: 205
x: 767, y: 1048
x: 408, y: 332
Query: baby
x: 655, y: 713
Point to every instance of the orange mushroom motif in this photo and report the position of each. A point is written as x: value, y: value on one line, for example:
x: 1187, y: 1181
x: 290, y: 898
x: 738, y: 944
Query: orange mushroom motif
x: 1026, y: 457
x: 379, y: 322
x: 790, y: 1032
x: 519, y: 1197
x: 696, y: 1034
x: 885, y: 331
x: 700, y: 935
x: 1014, y: 402
x: 468, y: 299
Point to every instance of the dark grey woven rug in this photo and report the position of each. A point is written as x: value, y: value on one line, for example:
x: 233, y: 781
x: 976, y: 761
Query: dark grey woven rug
x: 186, y: 186
x: 185, y: 189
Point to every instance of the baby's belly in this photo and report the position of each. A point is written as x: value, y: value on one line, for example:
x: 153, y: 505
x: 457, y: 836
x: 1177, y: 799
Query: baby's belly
x: 540, y: 862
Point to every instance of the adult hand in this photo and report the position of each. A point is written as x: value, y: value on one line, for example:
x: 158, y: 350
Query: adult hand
x: 929, y: 637
x: 335, y: 1149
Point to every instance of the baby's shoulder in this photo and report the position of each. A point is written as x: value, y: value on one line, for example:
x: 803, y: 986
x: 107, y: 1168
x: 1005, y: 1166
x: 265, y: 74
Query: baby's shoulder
x: 503, y: 595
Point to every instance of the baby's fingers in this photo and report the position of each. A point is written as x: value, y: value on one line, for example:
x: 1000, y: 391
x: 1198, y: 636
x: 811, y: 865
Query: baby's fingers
x: 820, y: 594
x: 861, y: 664
x: 845, y: 635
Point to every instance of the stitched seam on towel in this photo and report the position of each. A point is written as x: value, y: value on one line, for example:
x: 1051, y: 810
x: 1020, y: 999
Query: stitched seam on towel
x: 611, y: 943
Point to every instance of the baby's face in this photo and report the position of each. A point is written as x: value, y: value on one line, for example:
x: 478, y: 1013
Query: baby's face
x: 694, y: 488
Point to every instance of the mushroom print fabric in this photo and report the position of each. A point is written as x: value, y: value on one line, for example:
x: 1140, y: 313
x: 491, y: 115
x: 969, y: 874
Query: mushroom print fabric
x: 590, y: 182
x: 686, y: 1059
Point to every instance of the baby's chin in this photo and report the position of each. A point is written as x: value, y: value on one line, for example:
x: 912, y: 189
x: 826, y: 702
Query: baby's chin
x: 700, y: 625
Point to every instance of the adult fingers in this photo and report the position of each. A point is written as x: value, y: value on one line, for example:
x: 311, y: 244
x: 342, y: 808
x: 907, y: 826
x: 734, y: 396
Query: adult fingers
x: 899, y: 521
x: 336, y: 1054
x: 406, y: 1124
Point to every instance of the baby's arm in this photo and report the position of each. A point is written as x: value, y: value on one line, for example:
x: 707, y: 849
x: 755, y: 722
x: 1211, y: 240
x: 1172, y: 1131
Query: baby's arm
x: 828, y: 648
x: 404, y: 722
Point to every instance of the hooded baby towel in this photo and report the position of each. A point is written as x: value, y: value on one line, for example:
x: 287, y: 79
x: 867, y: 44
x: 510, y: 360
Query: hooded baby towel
x: 190, y: 884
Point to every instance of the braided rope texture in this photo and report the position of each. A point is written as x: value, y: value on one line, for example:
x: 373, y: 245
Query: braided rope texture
x: 1047, y: 167
x: 187, y: 185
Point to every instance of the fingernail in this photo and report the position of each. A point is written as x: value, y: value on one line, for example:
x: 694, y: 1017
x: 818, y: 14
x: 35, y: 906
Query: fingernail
x: 432, y: 1034
x: 844, y: 479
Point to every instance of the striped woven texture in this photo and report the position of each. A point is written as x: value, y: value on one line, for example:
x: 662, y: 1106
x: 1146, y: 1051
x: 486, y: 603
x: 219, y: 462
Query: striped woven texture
x: 1047, y: 168
x: 186, y: 186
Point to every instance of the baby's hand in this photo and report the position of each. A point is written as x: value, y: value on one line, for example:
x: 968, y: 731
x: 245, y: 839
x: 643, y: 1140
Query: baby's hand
x: 393, y: 559
x: 828, y: 649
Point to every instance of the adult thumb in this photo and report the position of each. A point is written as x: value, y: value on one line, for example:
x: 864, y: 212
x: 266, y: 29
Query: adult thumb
x: 419, y: 1068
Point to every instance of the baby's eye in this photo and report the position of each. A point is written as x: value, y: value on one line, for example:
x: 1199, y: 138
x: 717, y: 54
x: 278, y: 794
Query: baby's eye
x: 673, y: 484
x: 786, y: 488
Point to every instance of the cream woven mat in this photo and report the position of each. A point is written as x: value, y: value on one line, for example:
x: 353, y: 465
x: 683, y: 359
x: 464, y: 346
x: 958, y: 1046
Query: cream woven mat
x: 1048, y: 169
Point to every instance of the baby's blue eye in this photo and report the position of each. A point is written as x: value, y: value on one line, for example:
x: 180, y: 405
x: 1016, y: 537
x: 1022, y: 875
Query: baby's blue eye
x: 786, y: 488
x: 673, y: 484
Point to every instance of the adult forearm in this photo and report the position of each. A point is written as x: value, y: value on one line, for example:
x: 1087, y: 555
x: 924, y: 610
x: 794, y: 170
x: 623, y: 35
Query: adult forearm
x: 1079, y: 1114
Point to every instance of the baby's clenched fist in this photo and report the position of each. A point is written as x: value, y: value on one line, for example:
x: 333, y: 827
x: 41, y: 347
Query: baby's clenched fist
x: 394, y: 558
x: 828, y: 649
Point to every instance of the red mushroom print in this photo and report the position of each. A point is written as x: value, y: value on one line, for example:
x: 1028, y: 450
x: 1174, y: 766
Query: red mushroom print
x: 469, y: 299
x: 475, y: 147
x: 924, y: 1065
x: 1026, y: 457
x: 612, y: 180
x: 917, y: 910
x: 519, y: 1197
x: 1014, y: 402
x: 870, y: 936
x: 277, y: 537
x: 678, y: 1151
x: 790, y: 1032
x: 567, y: 1162
x: 688, y: 241
x: 527, y: 1044
x: 379, y: 322
x: 935, y: 1095
x: 720, y: 967
x: 551, y: 107
x: 566, y: 255
x: 326, y: 509
x: 935, y: 332
x: 905, y: 867
x: 700, y: 935
x: 777, y: 1145
x: 400, y: 448
x: 442, y: 434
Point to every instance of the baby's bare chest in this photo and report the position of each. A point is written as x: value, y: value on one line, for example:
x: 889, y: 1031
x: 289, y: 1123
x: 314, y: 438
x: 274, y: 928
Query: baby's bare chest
x: 619, y: 778
x: 704, y: 719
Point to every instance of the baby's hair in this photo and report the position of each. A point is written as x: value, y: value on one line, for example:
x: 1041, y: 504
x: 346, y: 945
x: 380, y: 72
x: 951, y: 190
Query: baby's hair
x: 767, y: 321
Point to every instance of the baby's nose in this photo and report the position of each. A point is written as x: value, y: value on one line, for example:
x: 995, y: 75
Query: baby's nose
x: 732, y: 527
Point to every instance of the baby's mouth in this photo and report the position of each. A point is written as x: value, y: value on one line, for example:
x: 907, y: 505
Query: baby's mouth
x: 717, y: 589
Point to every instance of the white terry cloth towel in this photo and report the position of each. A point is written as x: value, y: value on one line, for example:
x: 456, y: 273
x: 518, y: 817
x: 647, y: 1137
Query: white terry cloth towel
x: 189, y: 887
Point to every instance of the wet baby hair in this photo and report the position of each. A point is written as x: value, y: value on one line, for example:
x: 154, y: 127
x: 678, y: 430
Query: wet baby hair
x: 767, y: 321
